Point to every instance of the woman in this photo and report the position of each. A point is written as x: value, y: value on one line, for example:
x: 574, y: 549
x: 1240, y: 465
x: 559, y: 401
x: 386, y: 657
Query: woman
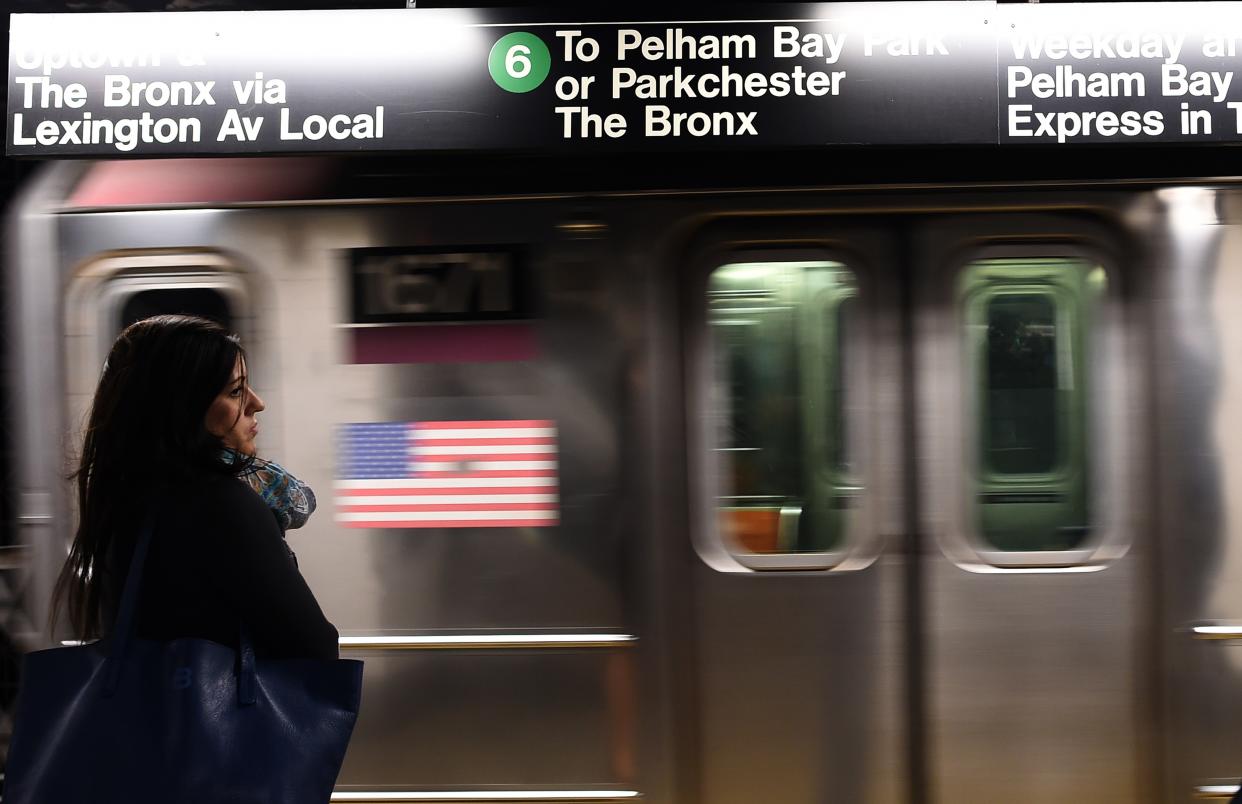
x: 172, y: 431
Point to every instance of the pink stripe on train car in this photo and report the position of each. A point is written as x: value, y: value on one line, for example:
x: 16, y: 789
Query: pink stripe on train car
x: 156, y: 182
x: 448, y: 343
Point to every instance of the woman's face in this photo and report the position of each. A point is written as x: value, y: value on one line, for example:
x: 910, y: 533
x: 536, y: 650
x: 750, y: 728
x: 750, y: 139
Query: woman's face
x: 232, y: 415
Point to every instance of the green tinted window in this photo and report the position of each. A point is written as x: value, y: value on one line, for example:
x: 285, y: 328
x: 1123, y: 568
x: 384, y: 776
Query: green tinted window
x: 778, y: 399
x: 842, y: 328
x: 1029, y: 330
x: 1020, y: 427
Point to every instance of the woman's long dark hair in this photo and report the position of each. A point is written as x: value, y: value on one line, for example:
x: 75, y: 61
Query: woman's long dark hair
x: 146, y: 432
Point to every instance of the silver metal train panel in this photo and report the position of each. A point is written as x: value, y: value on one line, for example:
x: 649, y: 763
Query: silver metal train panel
x: 1195, y: 297
x: 1034, y: 671
x: 446, y: 719
x: 910, y: 662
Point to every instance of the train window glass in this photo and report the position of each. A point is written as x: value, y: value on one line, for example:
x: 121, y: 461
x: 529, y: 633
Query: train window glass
x: 203, y: 302
x: 778, y: 330
x: 1019, y: 432
x: 1028, y: 327
x: 842, y: 328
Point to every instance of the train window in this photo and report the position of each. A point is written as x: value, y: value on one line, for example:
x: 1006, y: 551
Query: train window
x: 778, y: 330
x: 841, y: 327
x: 1019, y: 406
x: 202, y: 302
x: 1028, y: 327
x: 140, y: 287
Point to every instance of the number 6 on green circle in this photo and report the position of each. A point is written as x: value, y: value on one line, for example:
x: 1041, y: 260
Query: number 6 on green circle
x: 519, y: 62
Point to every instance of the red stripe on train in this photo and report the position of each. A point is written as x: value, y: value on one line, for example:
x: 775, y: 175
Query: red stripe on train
x: 415, y: 507
x: 404, y: 492
x: 479, y: 442
x: 454, y: 523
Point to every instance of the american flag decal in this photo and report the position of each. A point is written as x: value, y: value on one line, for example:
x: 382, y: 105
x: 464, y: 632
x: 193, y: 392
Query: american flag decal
x: 469, y: 474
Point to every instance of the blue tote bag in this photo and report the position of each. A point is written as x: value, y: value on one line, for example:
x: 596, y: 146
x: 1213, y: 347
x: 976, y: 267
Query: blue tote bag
x: 131, y: 721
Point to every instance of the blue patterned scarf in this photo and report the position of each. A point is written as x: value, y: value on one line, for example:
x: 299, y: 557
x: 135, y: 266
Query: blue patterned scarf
x: 291, y: 500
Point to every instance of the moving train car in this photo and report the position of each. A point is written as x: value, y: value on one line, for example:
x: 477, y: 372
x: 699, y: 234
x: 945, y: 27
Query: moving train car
x: 897, y: 492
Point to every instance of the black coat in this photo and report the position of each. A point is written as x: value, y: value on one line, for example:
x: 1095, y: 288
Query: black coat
x: 218, y: 558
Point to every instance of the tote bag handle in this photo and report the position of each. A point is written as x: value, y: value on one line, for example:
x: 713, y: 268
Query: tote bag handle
x: 123, y: 630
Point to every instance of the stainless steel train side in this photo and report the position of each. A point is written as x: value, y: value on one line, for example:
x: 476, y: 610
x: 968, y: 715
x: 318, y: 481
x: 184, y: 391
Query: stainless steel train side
x: 641, y: 647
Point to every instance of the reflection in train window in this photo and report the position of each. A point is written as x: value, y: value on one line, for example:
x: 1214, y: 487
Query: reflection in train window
x: 778, y: 330
x: 841, y: 329
x: 1020, y: 405
x: 1029, y: 336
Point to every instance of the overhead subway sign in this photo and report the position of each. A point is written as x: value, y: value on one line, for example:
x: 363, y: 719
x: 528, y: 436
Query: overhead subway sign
x: 922, y: 73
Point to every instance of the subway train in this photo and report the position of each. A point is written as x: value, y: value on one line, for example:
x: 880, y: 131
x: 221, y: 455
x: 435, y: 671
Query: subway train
x: 885, y: 492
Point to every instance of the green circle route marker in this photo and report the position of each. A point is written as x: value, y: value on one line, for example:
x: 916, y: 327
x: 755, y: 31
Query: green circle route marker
x: 519, y: 62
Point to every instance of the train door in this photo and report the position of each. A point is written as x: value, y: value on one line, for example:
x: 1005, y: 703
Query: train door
x: 794, y: 327
x: 911, y: 458
x: 1038, y: 677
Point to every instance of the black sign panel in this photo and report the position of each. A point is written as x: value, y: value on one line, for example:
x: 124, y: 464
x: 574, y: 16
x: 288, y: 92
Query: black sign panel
x: 1160, y: 72
x: 812, y: 75
x: 403, y: 286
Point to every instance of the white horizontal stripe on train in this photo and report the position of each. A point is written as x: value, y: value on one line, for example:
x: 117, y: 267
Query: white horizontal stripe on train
x: 482, y: 466
x: 1231, y: 631
x: 485, y: 449
x: 414, y: 516
x: 455, y: 483
x: 444, y: 499
x: 1217, y: 790
x: 486, y: 432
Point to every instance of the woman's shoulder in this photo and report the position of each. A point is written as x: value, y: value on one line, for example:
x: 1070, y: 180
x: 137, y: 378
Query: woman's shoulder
x: 222, y: 497
x: 210, y: 486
